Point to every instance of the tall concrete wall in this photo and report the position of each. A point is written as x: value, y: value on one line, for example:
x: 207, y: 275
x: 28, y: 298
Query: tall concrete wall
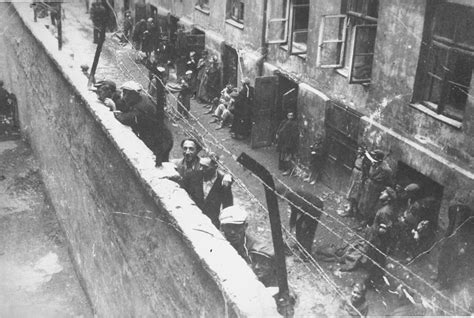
x: 140, y: 246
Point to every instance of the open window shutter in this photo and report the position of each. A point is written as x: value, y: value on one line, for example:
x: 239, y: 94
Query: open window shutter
x: 331, y: 42
x: 263, y: 111
x: 299, y: 37
x: 277, y: 25
x: 363, y: 45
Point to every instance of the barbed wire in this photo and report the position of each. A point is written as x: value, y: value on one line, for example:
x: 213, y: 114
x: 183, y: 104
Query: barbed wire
x: 220, y: 146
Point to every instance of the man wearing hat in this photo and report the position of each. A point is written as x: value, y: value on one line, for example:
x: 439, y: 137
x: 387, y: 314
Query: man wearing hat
x: 107, y: 93
x: 263, y: 263
x: 234, y: 225
x: 142, y: 117
x: 379, y: 176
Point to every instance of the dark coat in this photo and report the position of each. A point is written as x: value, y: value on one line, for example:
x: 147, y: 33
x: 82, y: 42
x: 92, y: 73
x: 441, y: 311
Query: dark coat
x: 142, y: 117
x: 288, y: 136
x: 242, y: 124
x: 219, y: 197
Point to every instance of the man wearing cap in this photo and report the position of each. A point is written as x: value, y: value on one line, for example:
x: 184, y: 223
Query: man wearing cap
x: 142, y: 117
x: 216, y: 193
x: 107, y: 93
x: 234, y: 226
x: 379, y: 177
x: 386, y: 214
x: 263, y: 263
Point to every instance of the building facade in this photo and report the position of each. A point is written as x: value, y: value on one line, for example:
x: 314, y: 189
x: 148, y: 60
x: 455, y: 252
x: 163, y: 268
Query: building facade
x: 396, y: 75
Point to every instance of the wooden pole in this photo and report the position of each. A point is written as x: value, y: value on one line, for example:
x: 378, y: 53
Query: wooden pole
x: 96, y: 57
x: 285, y: 304
x: 60, y: 26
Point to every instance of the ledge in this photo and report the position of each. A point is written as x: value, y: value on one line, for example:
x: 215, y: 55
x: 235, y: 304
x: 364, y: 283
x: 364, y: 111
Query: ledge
x: 452, y: 122
x: 202, y: 10
x: 234, y: 23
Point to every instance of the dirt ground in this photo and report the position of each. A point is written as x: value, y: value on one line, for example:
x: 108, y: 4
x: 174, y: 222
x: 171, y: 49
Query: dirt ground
x: 37, y: 278
x: 311, y: 281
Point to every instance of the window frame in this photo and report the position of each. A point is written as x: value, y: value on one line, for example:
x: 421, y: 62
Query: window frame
x: 287, y: 41
x: 202, y: 5
x: 346, y: 53
x: 240, y: 10
x: 322, y: 42
x: 427, y: 70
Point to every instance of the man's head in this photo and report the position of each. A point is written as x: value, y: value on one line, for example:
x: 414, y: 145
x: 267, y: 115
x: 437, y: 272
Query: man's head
x: 191, y: 148
x: 105, y: 89
x: 358, y: 293
x: 131, y: 92
x: 246, y: 81
x: 233, y: 224
x: 208, y: 167
x: 377, y: 155
x: 262, y: 256
x: 388, y: 195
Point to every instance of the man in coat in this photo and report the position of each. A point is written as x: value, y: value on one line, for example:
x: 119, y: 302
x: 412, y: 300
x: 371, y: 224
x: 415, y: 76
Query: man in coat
x: 379, y: 177
x: 141, y: 116
x: 242, y: 124
x: 287, y: 138
x: 216, y: 194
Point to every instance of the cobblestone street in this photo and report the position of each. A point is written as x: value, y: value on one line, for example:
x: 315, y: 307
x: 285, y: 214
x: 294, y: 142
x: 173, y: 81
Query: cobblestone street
x: 316, y: 295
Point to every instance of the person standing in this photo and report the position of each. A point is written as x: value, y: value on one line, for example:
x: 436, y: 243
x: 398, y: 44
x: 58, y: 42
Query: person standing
x: 202, y: 67
x: 157, y: 90
x: 242, y: 124
x: 355, y: 184
x: 185, y: 93
x: 127, y: 27
x: 379, y: 177
x: 3, y: 98
x: 141, y: 116
x: 287, y: 139
x: 213, y: 79
x: 99, y: 18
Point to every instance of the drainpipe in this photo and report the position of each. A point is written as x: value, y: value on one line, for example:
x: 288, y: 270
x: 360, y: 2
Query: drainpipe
x: 263, y: 44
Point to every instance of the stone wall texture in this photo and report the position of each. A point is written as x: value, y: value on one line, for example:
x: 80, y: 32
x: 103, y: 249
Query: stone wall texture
x: 140, y: 246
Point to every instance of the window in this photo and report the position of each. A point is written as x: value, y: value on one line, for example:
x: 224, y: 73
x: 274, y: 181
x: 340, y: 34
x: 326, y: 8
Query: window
x: 447, y: 60
x: 288, y: 24
x: 203, y: 5
x: 347, y: 40
x: 235, y: 10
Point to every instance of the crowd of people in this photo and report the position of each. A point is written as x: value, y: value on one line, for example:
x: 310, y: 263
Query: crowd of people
x: 392, y: 219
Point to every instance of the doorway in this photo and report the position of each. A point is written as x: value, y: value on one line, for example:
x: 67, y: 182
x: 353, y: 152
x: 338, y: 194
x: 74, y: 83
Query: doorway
x: 342, y: 131
x: 287, y: 99
x: 230, y: 63
x: 428, y: 187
